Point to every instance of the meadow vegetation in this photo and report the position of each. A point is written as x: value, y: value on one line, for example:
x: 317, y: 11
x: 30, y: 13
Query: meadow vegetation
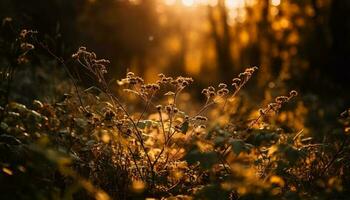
x: 128, y: 139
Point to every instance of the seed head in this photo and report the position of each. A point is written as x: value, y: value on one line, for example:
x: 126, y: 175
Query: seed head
x: 222, y: 85
x: 236, y: 80
x: 211, y: 89
x: 131, y: 74
x: 201, y: 118
x: 159, y: 107
x: 281, y: 99
x: 293, y: 93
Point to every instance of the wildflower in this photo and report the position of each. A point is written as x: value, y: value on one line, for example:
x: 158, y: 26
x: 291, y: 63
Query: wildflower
x: 201, y: 118
x: 27, y: 46
x: 222, y: 85
x: 236, y: 80
x: 82, y: 48
x: 168, y: 109
x: 212, y: 94
x: 75, y: 56
x: 169, y: 79
x: 155, y: 87
x: 293, y: 93
x: 24, y: 33
x: 223, y: 91
x: 261, y: 111
x: 159, y: 107
x: 235, y: 85
x: 130, y: 74
x: 148, y: 87
x: 281, y: 99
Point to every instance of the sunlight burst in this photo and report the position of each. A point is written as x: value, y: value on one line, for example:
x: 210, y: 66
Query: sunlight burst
x: 188, y: 3
x: 275, y: 2
x: 235, y: 4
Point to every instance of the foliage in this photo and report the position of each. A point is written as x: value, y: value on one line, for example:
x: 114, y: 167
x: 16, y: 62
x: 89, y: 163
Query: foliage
x: 128, y: 139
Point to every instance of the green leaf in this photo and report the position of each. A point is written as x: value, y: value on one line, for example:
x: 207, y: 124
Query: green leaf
x: 262, y: 137
x: 218, y: 141
x: 141, y: 125
x: 239, y: 146
x: 212, y: 191
x: 206, y: 159
x: 145, y: 123
x: 292, y: 154
x: 184, y: 127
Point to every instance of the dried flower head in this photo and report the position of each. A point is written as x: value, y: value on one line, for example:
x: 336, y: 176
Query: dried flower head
x: 201, y: 118
x: 24, y: 34
x: 26, y: 46
x: 159, y: 107
x: 98, y: 67
x: 274, y: 106
x: 222, y: 85
x: 293, y: 93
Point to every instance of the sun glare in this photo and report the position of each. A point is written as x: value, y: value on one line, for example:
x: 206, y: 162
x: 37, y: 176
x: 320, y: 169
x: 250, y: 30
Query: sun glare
x: 235, y: 8
x: 231, y: 4
x: 275, y: 2
x: 170, y: 2
x: 188, y: 3
x: 234, y: 4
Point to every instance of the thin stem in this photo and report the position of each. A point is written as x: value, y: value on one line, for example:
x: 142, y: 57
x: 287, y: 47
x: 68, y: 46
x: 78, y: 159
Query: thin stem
x: 146, y: 107
x: 60, y: 60
x: 162, y: 124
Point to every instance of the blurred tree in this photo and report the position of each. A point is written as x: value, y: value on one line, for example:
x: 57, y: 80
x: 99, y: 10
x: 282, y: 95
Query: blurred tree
x: 292, y: 41
x: 222, y: 40
x: 120, y: 29
x: 340, y: 32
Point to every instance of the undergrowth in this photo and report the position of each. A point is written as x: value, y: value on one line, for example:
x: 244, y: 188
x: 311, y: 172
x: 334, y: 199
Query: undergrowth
x: 128, y: 139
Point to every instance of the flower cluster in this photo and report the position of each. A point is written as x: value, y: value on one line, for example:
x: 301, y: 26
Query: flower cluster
x: 24, y: 45
x: 223, y: 90
x: 179, y: 82
x: 132, y: 79
x: 243, y: 78
x: 279, y: 101
x: 210, y: 92
x: 201, y: 118
x: 139, y: 87
x: 275, y: 106
x: 89, y: 61
x: 24, y: 34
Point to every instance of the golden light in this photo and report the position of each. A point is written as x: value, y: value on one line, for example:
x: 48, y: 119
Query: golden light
x: 170, y: 2
x: 230, y: 4
x: 212, y: 2
x: 275, y: 2
x: 235, y: 4
x: 188, y: 3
